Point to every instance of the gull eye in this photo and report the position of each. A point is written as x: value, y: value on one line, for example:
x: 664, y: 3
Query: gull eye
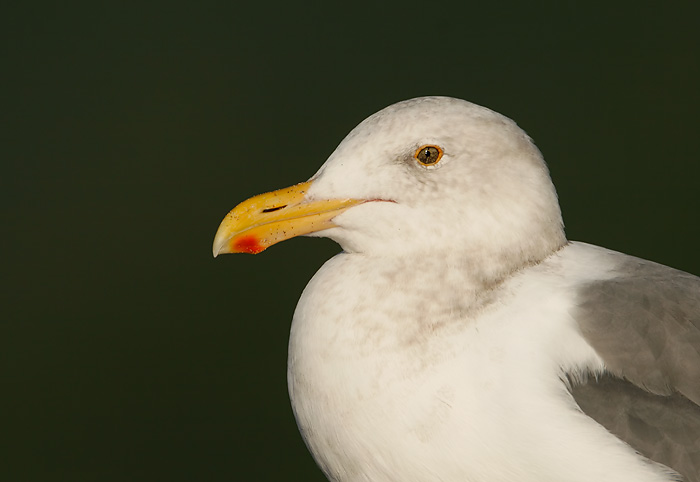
x: 428, y: 155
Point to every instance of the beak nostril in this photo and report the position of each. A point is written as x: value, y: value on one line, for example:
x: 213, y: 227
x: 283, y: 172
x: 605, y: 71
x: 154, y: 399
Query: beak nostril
x: 269, y: 210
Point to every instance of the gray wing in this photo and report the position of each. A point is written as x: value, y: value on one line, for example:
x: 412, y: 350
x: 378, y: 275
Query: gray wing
x: 645, y: 325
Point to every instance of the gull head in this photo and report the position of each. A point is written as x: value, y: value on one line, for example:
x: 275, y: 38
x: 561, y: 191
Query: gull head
x: 430, y: 176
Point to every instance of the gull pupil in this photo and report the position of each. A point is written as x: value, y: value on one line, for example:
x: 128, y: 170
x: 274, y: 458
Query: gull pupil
x: 428, y: 155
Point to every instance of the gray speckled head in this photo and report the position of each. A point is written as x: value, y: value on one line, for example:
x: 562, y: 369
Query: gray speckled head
x: 489, y: 198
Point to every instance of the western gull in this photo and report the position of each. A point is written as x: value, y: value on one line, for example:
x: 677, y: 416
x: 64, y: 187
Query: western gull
x: 459, y: 336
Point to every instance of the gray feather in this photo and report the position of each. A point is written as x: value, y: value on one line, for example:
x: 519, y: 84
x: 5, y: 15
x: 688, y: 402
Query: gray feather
x: 645, y: 325
x: 666, y: 429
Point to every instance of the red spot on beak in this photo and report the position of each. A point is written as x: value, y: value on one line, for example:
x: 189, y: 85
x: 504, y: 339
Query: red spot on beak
x: 247, y: 244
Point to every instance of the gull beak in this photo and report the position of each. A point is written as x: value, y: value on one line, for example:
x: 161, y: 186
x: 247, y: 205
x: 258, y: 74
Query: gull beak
x: 267, y: 219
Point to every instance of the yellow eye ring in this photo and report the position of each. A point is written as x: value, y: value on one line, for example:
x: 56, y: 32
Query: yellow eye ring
x: 429, y: 155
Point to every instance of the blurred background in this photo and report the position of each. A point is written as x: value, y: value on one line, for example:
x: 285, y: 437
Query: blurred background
x: 130, y: 129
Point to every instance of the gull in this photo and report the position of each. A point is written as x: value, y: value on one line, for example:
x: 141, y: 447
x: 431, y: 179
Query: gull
x: 459, y: 336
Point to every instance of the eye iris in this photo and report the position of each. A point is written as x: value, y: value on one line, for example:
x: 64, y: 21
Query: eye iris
x: 428, y: 155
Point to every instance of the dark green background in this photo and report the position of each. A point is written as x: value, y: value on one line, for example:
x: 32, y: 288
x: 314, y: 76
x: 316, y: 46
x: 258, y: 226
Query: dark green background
x: 129, y: 130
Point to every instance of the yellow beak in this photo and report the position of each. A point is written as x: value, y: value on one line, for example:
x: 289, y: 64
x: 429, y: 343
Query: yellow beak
x: 266, y: 219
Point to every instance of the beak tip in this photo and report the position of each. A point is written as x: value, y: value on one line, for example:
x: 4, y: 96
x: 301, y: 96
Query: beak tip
x: 218, y: 247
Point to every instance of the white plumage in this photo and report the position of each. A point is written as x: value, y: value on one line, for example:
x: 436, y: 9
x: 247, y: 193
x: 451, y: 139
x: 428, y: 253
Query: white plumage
x: 446, y: 340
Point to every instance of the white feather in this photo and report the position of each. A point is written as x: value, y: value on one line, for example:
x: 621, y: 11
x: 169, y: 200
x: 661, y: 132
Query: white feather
x: 434, y: 347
